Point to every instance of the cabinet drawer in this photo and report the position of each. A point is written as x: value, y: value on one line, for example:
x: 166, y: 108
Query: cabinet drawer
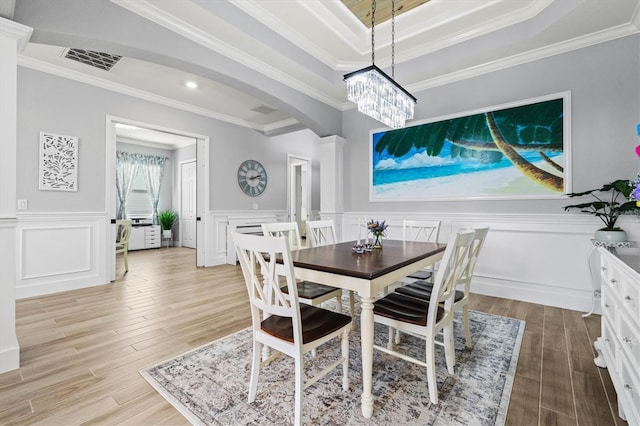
x: 609, y: 339
x: 152, y: 244
x: 629, y: 339
x: 631, y: 390
x: 630, y: 296
x: 610, y: 303
x: 610, y: 274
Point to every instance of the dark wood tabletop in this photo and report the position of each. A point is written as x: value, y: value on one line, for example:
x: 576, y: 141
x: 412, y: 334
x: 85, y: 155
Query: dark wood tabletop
x: 340, y: 259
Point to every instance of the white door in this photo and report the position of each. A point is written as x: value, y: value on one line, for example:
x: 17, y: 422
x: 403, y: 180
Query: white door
x: 188, y: 204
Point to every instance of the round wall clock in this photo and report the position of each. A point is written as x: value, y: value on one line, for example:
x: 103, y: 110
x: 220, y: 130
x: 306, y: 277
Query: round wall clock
x: 252, y: 178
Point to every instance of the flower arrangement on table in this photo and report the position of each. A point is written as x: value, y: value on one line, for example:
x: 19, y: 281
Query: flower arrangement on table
x: 378, y: 230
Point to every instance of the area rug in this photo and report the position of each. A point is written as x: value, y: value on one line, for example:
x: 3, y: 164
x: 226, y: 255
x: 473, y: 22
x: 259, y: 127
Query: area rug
x: 209, y: 385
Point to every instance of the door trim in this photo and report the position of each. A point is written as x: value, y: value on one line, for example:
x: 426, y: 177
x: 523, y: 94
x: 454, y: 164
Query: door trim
x: 202, y: 193
x: 292, y: 161
x: 179, y: 190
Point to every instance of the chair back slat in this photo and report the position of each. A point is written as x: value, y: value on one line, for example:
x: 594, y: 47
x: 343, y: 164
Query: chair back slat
x: 259, y: 254
x: 421, y: 230
x: 474, y: 251
x: 289, y: 230
x: 320, y: 233
x: 263, y: 276
x: 123, y: 231
x: 454, y: 261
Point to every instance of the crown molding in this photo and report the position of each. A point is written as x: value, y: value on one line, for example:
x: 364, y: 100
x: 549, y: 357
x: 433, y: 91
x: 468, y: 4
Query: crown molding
x: 146, y: 10
x: 530, y: 56
x: 280, y: 124
x: 523, y: 58
x: 46, y: 67
x: 15, y: 31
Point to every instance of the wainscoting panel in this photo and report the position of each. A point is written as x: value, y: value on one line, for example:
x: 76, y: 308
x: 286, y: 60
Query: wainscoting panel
x: 534, y: 258
x: 59, y: 252
x: 42, y: 256
x: 219, y: 249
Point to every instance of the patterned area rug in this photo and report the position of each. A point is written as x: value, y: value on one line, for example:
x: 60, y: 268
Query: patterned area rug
x: 209, y: 385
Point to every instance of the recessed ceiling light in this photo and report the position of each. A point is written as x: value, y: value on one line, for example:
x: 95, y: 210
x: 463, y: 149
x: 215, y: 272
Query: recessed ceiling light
x: 191, y: 84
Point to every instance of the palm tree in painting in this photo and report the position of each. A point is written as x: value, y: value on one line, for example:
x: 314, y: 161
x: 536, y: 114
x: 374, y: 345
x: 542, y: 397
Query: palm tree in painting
x: 489, y: 137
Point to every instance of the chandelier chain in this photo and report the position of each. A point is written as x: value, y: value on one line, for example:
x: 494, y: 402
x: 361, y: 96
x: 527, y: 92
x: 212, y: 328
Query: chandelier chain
x: 393, y: 37
x: 373, y: 32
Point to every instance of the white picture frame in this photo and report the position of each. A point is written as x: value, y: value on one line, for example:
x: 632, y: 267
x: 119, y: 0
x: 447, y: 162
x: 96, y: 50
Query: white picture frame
x: 58, y: 165
x: 406, y: 171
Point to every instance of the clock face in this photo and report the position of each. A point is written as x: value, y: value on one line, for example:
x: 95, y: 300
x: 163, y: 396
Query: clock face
x: 252, y: 178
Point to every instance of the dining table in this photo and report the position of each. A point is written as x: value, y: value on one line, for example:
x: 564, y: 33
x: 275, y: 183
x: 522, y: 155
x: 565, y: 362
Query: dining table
x: 367, y: 274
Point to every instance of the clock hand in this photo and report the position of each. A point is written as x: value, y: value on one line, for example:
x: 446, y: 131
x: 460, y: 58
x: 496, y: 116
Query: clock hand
x: 254, y: 177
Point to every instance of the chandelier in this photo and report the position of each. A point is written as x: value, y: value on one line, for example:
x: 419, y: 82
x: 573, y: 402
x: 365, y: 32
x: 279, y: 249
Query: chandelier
x: 376, y: 94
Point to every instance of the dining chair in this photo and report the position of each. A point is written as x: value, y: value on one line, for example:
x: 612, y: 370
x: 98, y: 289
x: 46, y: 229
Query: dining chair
x: 426, y: 318
x: 279, y: 321
x: 123, y: 232
x: 423, y: 289
x: 320, y: 233
x: 417, y: 230
x: 308, y: 292
x: 421, y: 230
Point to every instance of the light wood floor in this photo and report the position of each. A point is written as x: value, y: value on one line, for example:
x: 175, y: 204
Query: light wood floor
x: 81, y: 350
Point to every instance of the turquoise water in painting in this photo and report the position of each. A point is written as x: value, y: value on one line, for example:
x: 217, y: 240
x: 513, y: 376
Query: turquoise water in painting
x: 450, y: 167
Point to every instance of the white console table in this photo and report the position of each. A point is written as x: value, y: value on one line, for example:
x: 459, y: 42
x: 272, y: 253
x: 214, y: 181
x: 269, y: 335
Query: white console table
x: 619, y: 345
x: 144, y: 237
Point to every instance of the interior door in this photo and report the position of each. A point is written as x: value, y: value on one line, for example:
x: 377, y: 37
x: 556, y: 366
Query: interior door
x: 188, y: 204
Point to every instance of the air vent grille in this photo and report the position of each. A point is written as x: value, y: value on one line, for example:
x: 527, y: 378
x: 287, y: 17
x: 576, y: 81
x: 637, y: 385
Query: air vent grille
x: 104, y: 61
x: 263, y: 109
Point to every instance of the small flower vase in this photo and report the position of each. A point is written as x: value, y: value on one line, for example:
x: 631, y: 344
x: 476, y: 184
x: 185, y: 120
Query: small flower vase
x: 377, y: 243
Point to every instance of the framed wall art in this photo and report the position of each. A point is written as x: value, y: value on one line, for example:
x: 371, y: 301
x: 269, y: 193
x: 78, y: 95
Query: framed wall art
x: 516, y: 150
x: 58, y: 162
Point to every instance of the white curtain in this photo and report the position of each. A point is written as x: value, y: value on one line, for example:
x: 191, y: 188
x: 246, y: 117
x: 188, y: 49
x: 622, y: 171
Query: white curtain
x: 126, y: 169
x: 153, y: 170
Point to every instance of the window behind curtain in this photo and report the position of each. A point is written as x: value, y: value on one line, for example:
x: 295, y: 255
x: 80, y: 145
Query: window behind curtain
x: 139, y: 201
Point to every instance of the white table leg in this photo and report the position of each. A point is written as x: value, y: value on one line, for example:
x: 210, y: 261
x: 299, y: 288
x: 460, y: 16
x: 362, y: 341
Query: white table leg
x: 366, y: 336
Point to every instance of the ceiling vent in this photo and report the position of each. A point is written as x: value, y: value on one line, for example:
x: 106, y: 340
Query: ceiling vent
x: 263, y: 109
x: 103, y: 61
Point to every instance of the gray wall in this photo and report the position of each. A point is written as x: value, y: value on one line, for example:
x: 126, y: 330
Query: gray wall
x: 58, y: 105
x: 604, y: 81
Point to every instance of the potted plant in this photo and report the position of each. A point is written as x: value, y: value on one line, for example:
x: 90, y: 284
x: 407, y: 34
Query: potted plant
x: 610, y: 202
x: 167, y: 218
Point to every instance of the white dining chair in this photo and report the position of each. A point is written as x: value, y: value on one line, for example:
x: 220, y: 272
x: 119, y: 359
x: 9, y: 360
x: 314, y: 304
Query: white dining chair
x: 421, y: 230
x: 123, y: 232
x: 308, y: 292
x: 423, y: 289
x: 320, y: 233
x: 428, y: 318
x: 416, y: 230
x: 279, y: 321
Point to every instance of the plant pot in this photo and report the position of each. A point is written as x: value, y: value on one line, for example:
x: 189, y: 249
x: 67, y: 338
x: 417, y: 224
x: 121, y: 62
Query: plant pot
x: 611, y: 236
x: 167, y: 233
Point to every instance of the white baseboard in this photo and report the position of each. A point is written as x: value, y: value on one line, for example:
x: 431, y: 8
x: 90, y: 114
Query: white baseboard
x: 9, y: 357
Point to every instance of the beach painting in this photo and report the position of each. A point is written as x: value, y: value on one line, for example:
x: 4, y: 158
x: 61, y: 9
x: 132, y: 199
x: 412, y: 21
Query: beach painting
x: 517, y: 150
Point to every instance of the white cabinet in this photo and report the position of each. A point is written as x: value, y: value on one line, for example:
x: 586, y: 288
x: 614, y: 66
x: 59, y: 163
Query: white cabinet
x: 619, y: 345
x: 144, y: 237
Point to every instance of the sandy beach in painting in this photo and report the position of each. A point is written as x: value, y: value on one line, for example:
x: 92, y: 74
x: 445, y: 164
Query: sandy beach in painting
x: 506, y: 182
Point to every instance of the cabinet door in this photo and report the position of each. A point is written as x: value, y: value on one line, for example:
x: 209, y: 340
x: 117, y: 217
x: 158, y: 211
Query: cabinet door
x: 136, y: 240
